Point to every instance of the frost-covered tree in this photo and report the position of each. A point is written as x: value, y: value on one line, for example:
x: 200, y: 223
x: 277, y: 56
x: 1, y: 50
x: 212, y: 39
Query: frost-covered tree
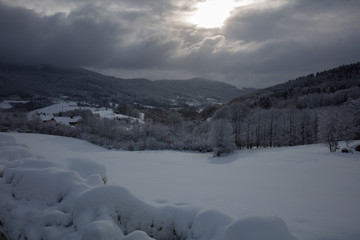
x: 222, y: 137
x: 196, y: 136
x: 354, y: 107
x: 336, y: 125
x: 237, y: 113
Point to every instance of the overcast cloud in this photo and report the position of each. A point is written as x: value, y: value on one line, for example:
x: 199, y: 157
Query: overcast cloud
x: 259, y: 45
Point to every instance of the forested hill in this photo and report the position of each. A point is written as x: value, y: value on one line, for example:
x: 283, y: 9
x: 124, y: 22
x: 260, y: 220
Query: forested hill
x: 321, y: 107
x: 83, y: 85
x: 327, y: 88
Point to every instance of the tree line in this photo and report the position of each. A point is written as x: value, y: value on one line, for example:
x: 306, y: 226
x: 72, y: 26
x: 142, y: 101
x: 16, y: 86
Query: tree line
x: 233, y: 126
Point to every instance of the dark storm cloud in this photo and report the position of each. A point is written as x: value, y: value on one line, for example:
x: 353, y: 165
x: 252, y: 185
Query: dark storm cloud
x: 259, y: 45
x: 90, y: 35
x: 58, y: 39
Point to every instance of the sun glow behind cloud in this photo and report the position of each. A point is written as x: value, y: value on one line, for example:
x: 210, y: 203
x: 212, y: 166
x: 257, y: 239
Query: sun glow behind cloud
x: 213, y: 13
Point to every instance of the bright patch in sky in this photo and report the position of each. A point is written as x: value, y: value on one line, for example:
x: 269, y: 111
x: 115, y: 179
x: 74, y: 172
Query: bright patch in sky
x: 213, y: 13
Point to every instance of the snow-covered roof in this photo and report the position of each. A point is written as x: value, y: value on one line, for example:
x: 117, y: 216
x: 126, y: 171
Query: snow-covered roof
x: 63, y: 120
x: 46, y: 117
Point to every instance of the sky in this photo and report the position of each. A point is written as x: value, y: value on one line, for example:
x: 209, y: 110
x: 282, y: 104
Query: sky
x: 247, y: 43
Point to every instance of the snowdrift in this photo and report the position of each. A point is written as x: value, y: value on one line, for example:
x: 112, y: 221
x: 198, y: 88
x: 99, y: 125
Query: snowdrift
x: 46, y: 199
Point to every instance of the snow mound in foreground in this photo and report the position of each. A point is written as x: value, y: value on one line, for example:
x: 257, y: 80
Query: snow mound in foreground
x: 260, y: 228
x: 43, y: 199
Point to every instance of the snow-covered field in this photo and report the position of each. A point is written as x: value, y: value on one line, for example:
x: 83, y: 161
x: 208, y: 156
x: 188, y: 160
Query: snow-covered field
x: 7, y: 103
x: 247, y: 195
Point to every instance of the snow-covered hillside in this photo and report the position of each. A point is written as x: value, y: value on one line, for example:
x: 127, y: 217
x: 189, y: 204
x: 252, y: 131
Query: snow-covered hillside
x: 63, y: 106
x: 53, y: 187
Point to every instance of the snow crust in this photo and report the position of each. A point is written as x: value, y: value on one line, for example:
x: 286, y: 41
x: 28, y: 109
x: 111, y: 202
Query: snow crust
x: 67, y: 198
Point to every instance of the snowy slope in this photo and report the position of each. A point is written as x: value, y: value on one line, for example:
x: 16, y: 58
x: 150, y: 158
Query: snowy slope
x: 63, y: 106
x: 315, y: 192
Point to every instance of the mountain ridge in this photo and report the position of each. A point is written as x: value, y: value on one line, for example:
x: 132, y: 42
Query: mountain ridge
x: 81, y: 83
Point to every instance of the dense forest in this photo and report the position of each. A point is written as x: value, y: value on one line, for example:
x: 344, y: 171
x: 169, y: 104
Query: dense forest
x: 322, y: 107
